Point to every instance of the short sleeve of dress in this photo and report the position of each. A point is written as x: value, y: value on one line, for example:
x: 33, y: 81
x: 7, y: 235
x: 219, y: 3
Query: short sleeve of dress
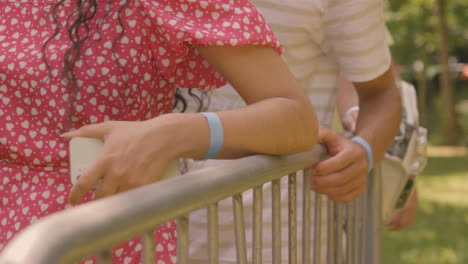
x: 177, y: 27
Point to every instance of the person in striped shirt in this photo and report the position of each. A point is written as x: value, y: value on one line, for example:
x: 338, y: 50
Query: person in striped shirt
x: 321, y: 38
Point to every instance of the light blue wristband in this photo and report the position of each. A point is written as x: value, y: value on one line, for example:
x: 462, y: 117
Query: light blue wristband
x: 216, y: 135
x: 350, y: 110
x: 367, y: 147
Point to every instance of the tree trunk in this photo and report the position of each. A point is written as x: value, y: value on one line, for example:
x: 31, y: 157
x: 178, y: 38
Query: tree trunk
x: 449, y: 120
x: 421, y: 78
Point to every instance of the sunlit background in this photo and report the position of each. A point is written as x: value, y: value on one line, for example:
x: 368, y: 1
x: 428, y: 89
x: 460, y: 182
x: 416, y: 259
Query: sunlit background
x: 431, y: 41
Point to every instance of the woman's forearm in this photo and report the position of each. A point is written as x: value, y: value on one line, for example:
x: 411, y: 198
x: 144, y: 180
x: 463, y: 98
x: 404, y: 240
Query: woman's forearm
x: 278, y: 118
x: 280, y: 125
x: 263, y: 127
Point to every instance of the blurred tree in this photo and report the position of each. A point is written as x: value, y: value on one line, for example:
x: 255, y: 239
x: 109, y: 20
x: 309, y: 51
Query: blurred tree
x: 415, y: 27
x: 449, y: 120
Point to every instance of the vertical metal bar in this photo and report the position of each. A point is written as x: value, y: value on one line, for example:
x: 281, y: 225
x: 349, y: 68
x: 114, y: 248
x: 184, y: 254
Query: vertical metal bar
x: 317, y: 228
x: 363, y: 227
x: 377, y: 197
x: 349, y: 232
x: 239, y: 229
x: 306, y: 218
x: 374, y: 220
x: 213, y: 233
x: 331, y: 225
x: 257, y: 225
x: 292, y: 219
x: 339, y: 234
x: 182, y: 239
x: 148, y: 248
x: 357, y: 217
x: 276, y: 220
x: 105, y: 257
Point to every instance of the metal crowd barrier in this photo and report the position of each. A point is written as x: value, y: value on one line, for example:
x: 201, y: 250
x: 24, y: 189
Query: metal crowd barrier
x: 353, y: 230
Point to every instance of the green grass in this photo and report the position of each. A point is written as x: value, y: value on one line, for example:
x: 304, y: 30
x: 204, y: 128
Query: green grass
x: 440, y: 233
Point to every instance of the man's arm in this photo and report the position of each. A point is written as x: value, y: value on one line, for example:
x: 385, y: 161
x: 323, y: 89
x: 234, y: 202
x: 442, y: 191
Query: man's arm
x: 379, y: 113
x: 343, y: 176
x: 363, y: 56
x: 347, y: 98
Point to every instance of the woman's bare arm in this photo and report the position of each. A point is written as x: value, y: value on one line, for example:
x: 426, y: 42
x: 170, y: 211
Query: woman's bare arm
x: 277, y: 120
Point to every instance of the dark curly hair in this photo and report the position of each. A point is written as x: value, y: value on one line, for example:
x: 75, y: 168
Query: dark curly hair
x: 78, y: 31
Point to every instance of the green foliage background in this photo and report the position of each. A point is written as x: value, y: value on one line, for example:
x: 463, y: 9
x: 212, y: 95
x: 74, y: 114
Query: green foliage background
x: 440, y: 233
x: 413, y: 25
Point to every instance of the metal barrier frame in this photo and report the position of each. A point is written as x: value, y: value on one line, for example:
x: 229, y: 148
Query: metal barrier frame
x: 93, y: 228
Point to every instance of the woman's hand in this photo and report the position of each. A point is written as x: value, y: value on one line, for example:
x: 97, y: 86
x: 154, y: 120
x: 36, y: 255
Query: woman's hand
x: 134, y: 154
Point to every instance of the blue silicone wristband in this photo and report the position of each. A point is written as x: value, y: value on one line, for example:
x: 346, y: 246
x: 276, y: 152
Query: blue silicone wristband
x: 367, y: 147
x: 350, y: 110
x: 216, y: 135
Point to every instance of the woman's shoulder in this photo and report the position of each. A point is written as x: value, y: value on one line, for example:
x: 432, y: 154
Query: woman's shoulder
x: 177, y: 27
x: 208, y: 19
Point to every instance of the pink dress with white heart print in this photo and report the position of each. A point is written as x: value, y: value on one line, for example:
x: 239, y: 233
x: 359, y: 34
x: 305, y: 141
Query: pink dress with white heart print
x: 136, y: 53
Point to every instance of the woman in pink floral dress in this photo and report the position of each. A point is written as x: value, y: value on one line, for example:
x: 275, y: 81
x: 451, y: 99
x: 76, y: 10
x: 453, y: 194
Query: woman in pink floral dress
x: 67, y: 64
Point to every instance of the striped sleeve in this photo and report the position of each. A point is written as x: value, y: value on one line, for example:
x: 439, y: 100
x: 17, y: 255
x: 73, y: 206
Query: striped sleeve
x: 356, y: 32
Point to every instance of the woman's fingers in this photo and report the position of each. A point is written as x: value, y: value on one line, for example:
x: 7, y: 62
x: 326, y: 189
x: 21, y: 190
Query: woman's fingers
x: 106, y: 187
x: 88, y: 179
x: 143, y: 175
x: 130, y: 157
x: 93, y: 130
